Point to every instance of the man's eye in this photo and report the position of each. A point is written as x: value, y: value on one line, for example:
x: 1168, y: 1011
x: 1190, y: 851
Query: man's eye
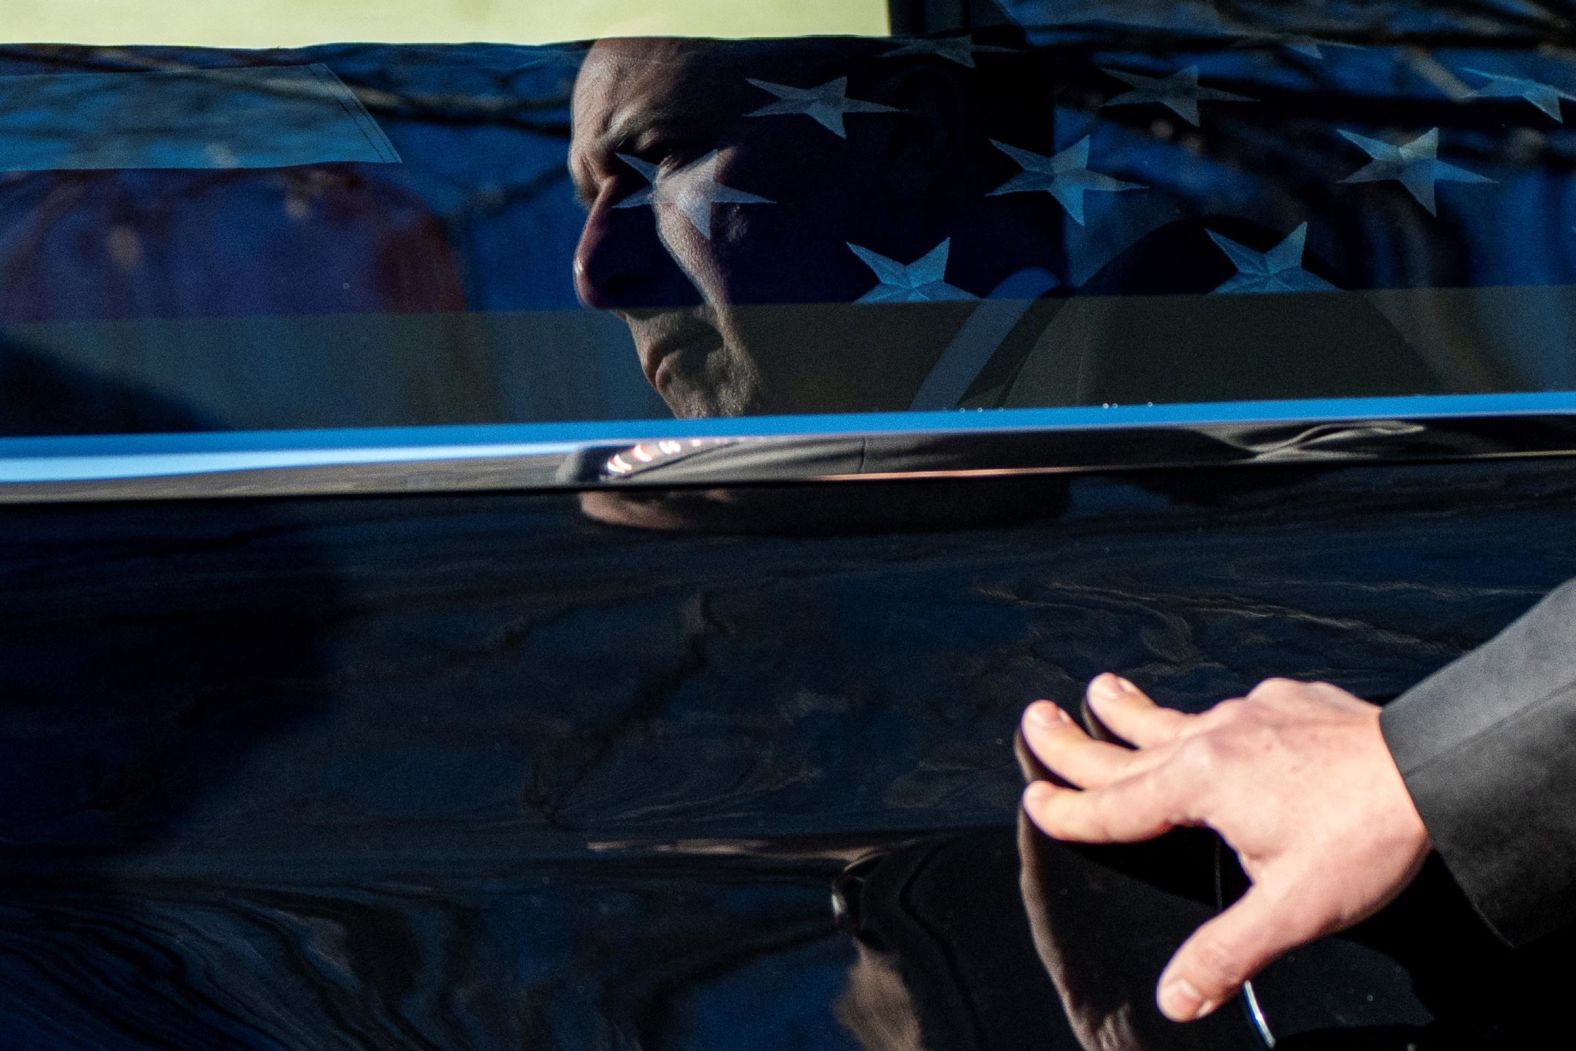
x: 670, y: 155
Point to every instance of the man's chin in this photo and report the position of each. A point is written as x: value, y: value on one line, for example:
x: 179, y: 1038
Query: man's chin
x: 690, y: 411
x: 692, y: 404
x: 691, y: 397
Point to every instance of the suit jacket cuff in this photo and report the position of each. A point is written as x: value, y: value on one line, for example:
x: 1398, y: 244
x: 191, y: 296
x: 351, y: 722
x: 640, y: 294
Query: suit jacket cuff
x: 1487, y: 747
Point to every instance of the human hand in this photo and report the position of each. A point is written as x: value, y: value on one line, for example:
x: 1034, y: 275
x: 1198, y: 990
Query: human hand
x: 1295, y: 777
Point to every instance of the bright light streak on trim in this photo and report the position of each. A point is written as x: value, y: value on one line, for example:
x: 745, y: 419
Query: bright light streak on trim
x: 101, y: 457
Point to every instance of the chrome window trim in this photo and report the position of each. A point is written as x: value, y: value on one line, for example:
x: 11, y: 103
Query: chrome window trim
x: 788, y: 449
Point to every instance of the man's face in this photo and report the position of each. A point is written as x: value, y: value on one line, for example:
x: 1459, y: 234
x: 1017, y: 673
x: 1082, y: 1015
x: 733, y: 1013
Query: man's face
x: 713, y: 234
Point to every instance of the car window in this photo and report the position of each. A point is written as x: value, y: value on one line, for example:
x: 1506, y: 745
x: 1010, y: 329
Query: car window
x: 1065, y: 208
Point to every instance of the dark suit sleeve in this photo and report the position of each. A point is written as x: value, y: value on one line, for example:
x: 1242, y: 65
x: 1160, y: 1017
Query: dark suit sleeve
x: 1487, y: 747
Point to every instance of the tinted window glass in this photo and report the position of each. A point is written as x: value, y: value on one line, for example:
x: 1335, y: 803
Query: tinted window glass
x: 1046, y: 214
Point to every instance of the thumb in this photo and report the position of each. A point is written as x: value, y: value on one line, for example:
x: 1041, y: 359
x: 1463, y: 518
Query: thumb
x: 1227, y: 951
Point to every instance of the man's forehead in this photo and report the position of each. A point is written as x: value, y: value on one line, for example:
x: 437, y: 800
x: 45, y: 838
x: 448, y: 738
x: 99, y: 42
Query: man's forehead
x: 684, y: 77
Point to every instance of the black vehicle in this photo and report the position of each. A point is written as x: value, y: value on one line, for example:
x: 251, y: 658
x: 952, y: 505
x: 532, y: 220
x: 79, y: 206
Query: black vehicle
x: 441, y: 614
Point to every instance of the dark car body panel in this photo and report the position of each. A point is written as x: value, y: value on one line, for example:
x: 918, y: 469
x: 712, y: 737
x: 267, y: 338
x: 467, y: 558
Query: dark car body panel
x: 479, y: 770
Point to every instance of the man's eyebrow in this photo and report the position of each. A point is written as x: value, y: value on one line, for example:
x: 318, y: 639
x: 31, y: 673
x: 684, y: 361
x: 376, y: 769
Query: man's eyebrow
x: 626, y: 127
x: 620, y: 135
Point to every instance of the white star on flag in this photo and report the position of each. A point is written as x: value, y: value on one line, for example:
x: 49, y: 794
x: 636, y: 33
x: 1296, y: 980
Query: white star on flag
x: 1065, y: 176
x: 1180, y: 92
x: 959, y: 49
x: 1414, y: 165
x: 1544, y: 96
x: 1278, y: 270
x: 921, y: 281
x: 693, y: 189
x: 826, y: 104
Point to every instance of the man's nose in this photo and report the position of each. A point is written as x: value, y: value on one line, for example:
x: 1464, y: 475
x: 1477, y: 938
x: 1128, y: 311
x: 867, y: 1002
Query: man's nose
x: 621, y: 263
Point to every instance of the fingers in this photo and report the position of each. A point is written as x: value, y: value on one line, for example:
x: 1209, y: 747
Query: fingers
x: 1228, y: 950
x: 1028, y: 763
x: 1126, y: 796
x: 1070, y: 754
x: 1226, y: 768
x: 1130, y: 714
x: 1125, y: 811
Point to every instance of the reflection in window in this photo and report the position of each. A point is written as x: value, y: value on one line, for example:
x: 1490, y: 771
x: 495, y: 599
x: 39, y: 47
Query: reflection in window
x: 1068, y: 214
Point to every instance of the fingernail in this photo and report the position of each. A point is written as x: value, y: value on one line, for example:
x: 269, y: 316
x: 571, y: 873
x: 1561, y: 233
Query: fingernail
x: 1180, y: 1002
x: 1125, y: 686
x: 1037, y: 791
x: 1104, y: 686
x: 1044, y: 713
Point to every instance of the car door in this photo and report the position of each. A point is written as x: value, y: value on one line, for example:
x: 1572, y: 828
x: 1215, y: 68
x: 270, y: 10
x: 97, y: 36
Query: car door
x: 438, y: 614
